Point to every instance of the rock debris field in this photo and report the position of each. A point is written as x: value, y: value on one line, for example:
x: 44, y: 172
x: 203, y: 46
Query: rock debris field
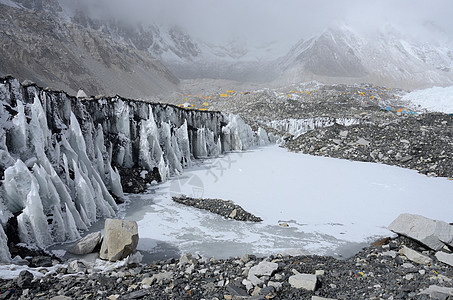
x: 223, y: 208
x: 397, y: 268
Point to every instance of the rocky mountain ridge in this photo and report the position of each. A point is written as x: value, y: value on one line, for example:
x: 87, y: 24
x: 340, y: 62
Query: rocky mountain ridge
x: 64, y: 56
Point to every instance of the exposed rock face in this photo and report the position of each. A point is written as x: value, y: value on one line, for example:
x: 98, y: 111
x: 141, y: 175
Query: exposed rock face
x: 432, y: 233
x: 120, y: 239
x: 59, y: 156
x: 39, y: 46
x: 87, y: 244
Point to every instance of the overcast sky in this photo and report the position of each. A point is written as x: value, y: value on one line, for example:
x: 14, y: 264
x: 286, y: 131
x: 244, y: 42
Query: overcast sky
x: 273, y: 20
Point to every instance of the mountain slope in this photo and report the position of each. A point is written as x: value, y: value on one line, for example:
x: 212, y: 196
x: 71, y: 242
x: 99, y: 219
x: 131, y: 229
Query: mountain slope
x: 339, y: 55
x: 39, y: 46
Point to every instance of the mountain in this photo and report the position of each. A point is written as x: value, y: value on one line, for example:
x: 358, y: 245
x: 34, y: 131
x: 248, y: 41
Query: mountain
x: 340, y: 55
x: 188, y: 57
x: 39, y: 44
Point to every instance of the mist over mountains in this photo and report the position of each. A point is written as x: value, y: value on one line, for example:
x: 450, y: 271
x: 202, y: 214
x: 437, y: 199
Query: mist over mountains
x: 65, y: 45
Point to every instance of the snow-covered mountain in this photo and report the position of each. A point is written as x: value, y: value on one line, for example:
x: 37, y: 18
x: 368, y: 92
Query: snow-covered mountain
x: 40, y: 44
x: 340, y: 55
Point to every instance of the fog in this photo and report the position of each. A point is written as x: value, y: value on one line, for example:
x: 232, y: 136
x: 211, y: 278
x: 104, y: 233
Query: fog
x: 259, y: 21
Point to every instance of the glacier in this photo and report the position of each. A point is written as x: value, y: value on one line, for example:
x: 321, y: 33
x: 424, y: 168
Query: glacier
x: 60, y: 156
x: 297, y: 127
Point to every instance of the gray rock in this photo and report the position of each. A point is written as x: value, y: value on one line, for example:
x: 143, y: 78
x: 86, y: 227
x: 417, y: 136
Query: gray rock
x: 24, y: 280
x: 438, y: 292
x: 362, y: 142
x: 61, y: 298
x: 445, y: 257
x: 303, y: 281
x: 406, y: 158
x: 264, y: 268
x: 41, y: 261
x: 434, y: 234
x: 415, y: 256
x: 120, y: 239
x: 321, y: 298
x: 187, y: 258
x: 254, y: 279
x: 76, y: 266
x: 87, y: 244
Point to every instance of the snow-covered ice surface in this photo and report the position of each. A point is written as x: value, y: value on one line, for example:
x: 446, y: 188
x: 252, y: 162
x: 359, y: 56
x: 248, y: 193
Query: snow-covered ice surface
x: 433, y: 99
x: 332, y: 206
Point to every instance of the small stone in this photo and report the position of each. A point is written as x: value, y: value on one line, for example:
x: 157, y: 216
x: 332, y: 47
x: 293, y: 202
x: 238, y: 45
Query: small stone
x: 319, y: 272
x: 187, y: 258
x: 303, y: 281
x: 61, y: 298
x: 344, y: 133
x: 284, y: 224
x: 362, y: 142
x: 76, y: 266
x: 406, y: 158
x: 408, y: 266
x: 256, y: 291
x: 409, y: 277
x: 233, y: 214
x: 245, y: 258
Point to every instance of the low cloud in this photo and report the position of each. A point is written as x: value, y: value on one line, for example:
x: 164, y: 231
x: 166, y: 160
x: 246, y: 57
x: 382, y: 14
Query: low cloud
x: 281, y: 20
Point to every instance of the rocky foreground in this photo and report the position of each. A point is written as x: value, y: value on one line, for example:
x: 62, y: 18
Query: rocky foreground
x: 389, y: 269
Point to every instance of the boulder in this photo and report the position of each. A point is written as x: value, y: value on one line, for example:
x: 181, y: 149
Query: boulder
x: 120, y: 239
x: 24, y: 279
x: 264, y: 268
x: 303, y: 281
x: 432, y: 233
x: 87, y: 244
x: 446, y: 258
x: 415, y: 256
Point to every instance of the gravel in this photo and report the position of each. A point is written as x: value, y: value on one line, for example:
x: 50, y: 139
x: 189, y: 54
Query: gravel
x: 377, y: 272
x: 225, y: 208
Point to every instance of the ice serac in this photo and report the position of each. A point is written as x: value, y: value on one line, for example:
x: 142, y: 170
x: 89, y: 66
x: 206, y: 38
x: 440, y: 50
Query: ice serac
x: 61, y: 157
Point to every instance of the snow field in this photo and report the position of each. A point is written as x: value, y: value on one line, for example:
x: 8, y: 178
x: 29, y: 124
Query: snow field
x: 330, y: 205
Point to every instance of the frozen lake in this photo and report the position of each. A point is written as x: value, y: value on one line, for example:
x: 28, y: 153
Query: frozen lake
x: 332, y: 206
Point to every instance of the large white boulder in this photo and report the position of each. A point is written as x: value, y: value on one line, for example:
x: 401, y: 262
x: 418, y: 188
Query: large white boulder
x: 432, y: 233
x: 120, y: 239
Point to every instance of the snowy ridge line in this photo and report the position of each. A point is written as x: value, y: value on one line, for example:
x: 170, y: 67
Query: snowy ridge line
x: 296, y: 127
x: 59, y: 156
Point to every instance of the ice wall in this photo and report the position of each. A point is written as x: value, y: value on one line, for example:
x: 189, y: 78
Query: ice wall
x: 297, y: 127
x: 59, y: 157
